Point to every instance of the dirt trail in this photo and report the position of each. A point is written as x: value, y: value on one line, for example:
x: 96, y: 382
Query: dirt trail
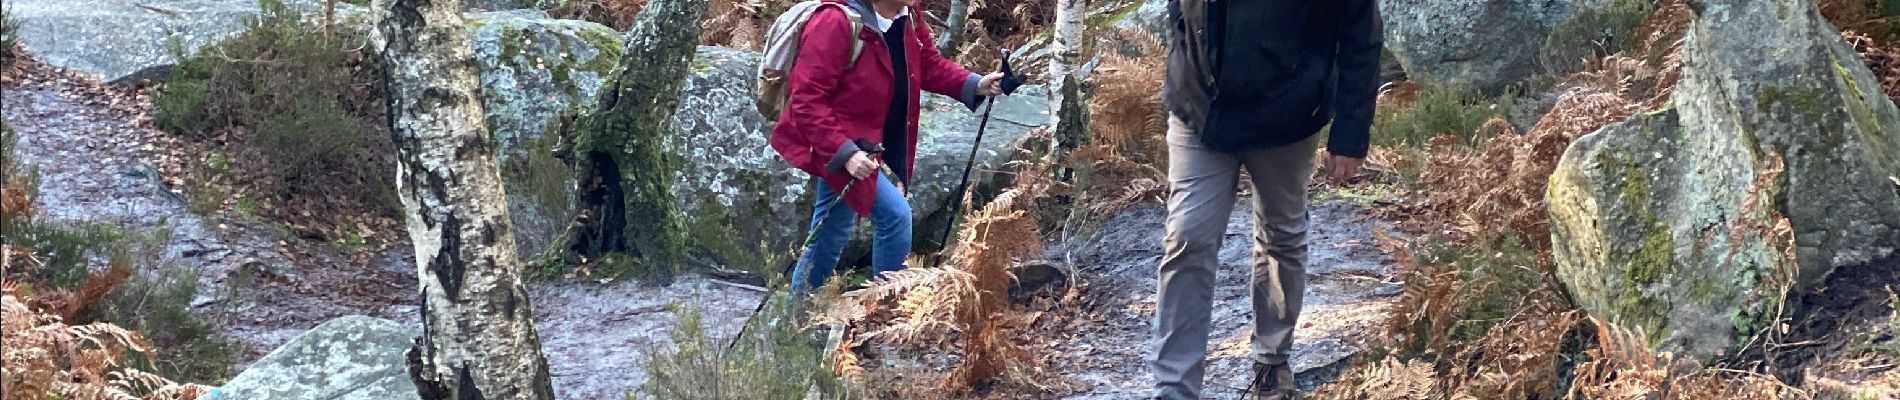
x: 94, y: 147
x: 1346, y: 298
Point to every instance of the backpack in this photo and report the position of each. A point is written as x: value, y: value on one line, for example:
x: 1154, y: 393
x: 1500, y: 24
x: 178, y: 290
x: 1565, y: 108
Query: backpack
x: 781, y: 50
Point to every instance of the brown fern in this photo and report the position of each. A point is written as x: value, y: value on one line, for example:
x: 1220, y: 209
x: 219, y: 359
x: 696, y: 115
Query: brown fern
x: 46, y: 359
x: 963, y: 308
x: 1384, y: 379
x: 1882, y: 58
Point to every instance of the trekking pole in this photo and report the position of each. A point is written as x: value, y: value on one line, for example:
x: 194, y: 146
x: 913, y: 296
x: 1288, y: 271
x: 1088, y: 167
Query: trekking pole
x: 1009, y: 85
x: 869, y: 148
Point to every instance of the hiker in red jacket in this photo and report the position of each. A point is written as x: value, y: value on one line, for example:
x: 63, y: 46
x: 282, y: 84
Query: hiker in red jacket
x: 838, y: 106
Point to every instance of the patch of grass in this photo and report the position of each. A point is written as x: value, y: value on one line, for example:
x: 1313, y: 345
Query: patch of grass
x: 1883, y: 344
x: 299, y: 109
x: 1592, y: 34
x: 315, y: 147
x: 211, y: 185
x: 1457, y: 292
x: 187, y: 349
x: 155, y: 303
x: 1438, y: 110
x: 64, y: 252
x: 779, y: 358
x: 9, y: 33
x: 183, y: 104
x: 246, y: 206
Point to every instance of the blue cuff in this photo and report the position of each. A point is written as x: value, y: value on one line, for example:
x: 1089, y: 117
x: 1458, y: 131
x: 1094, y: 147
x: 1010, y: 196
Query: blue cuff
x: 845, y: 151
x: 970, y: 99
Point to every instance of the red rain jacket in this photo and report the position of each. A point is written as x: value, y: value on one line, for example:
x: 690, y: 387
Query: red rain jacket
x: 831, y: 104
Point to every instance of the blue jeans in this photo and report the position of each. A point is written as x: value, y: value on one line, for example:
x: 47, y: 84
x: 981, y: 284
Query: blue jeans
x: 831, y: 226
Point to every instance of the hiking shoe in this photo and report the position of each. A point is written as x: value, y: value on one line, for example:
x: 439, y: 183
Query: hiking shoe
x: 1272, y: 382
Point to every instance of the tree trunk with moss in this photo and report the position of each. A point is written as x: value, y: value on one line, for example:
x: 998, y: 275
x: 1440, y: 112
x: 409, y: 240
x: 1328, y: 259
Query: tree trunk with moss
x: 1068, y: 103
x: 627, y: 216
x: 478, y: 339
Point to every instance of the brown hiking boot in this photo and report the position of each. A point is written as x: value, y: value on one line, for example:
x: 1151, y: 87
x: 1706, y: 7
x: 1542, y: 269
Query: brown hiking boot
x: 1272, y: 382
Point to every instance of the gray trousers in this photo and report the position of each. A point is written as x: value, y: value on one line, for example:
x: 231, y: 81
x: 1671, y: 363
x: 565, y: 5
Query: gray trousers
x: 1202, y: 193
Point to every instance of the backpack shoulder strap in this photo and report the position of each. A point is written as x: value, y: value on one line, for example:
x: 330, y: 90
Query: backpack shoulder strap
x: 857, y: 24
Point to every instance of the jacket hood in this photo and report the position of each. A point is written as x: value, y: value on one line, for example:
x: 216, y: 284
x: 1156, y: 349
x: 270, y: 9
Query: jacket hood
x: 866, y: 16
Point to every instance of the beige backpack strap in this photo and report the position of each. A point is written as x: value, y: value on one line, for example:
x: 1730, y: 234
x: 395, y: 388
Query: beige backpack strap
x: 857, y: 24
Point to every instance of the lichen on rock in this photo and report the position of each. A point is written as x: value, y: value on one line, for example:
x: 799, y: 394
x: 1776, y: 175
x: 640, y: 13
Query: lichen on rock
x: 538, y: 73
x: 1762, y: 175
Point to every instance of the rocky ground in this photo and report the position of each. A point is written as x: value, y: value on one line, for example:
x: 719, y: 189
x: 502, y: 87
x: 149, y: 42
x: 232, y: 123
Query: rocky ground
x: 1349, y: 287
x: 94, y: 147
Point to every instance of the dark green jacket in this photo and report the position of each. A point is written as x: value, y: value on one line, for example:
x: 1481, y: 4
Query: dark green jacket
x: 1253, y: 74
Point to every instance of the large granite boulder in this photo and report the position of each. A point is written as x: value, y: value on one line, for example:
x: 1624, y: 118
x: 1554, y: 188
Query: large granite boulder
x: 1148, y: 15
x: 738, y: 198
x: 349, y: 358
x: 1772, y: 166
x: 118, y: 38
x: 535, y: 70
x: 1478, y: 44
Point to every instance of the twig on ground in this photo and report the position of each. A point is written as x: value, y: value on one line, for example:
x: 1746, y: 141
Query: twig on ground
x: 739, y: 285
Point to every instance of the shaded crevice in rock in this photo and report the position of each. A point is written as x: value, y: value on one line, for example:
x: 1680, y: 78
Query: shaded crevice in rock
x: 631, y: 128
x: 602, y: 200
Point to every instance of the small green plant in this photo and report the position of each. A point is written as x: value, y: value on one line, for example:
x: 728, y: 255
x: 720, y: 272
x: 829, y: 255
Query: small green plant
x: 781, y: 357
x: 211, y: 185
x: 1884, y: 344
x: 1472, y: 286
x: 311, y: 144
x: 9, y: 33
x: 1438, y: 110
x: 155, y: 301
x: 65, y: 251
x: 246, y: 206
x: 182, y: 104
x: 159, y: 304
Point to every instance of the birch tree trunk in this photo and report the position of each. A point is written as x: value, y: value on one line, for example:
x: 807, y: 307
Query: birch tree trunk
x: 1068, y: 103
x: 329, y: 19
x: 478, y: 339
x: 628, y: 216
x: 954, y: 27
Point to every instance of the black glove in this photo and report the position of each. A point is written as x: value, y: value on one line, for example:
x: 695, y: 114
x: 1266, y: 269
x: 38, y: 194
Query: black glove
x: 1011, y: 80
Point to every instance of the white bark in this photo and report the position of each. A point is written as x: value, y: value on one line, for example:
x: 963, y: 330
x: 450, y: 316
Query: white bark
x: 1068, y: 106
x: 954, y: 27
x: 478, y: 337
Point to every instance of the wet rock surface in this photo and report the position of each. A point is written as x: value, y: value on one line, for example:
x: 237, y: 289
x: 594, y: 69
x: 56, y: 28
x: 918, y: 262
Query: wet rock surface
x: 598, y: 338
x: 349, y: 358
x: 117, y: 38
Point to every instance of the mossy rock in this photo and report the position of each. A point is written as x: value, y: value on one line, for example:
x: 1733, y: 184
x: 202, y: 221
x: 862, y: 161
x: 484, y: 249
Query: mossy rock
x: 742, y: 206
x: 1672, y: 222
x: 536, y: 70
